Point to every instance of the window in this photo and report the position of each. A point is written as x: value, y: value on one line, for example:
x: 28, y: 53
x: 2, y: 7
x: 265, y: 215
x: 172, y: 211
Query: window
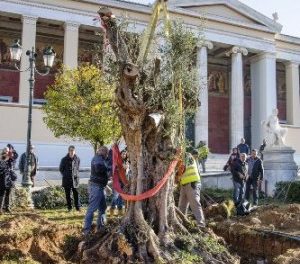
x: 6, y: 99
x: 39, y: 101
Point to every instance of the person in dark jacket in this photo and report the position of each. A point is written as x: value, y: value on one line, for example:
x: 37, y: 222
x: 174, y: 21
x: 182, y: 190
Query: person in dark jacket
x: 256, y: 175
x: 33, y: 164
x: 7, y: 179
x: 232, y: 158
x: 239, y: 177
x: 13, y: 156
x: 262, y: 148
x: 69, y: 169
x: 243, y: 147
x: 100, y: 167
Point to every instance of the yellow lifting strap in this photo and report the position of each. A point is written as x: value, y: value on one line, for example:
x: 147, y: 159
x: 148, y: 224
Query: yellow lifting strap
x: 167, y: 19
x: 180, y: 98
x: 182, y: 118
x: 159, y: 6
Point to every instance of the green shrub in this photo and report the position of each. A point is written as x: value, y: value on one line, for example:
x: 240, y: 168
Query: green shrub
x: 49, y: 198
x: 288, y: 191
x: 54, y: 197
x: 83, y: 194
x: 215, y: 195
x: 19, y: 198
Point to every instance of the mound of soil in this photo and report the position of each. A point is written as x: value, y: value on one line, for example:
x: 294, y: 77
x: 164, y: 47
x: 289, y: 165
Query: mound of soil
x: 267, y: 233
x: 290, y: 257
x: 32, y: 237
x: 285, y: 218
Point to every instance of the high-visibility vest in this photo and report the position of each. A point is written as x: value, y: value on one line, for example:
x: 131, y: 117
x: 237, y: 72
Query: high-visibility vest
x: 191, y: 174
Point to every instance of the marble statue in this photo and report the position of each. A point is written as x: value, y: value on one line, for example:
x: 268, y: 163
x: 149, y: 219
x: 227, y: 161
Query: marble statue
x: 274, y: 132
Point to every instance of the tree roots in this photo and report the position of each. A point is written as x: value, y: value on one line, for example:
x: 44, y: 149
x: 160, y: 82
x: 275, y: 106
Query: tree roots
x: 136, y: 242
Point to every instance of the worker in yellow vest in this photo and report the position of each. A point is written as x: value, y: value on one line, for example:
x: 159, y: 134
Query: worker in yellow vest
x: 190, y: 188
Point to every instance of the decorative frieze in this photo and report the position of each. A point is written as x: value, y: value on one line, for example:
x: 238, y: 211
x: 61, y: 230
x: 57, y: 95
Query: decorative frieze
x: 217, y: 82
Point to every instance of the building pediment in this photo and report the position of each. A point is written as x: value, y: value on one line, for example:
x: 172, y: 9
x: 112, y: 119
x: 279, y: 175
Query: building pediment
x: 228, y: 10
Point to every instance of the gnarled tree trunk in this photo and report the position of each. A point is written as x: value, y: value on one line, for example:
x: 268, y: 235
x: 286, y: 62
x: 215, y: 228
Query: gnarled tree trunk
x: 148, y: 230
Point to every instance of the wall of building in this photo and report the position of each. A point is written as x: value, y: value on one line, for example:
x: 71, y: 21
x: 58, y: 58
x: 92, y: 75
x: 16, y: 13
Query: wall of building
x: 9, y: 84
x: 292, y: 140
x: 51, y: 31
x: 49, y: 148
x: 218, y: 124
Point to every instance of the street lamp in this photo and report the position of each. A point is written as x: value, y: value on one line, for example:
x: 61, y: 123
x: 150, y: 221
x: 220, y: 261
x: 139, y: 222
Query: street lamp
x: 48, y: 57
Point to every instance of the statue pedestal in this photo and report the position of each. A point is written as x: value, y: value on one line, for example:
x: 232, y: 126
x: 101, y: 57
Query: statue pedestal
x: 279, y: 165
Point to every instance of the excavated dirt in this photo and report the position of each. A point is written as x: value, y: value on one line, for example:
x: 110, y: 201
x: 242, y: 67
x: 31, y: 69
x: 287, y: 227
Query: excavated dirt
x: 31, y: 238
x: 267, y: 233
x: 290, y: 257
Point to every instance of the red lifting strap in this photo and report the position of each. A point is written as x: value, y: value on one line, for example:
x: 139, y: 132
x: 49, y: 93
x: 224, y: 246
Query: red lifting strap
x: 118, y: 168
x: 119, y: 172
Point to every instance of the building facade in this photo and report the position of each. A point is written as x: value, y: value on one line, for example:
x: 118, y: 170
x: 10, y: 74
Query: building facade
x: 246, y: 67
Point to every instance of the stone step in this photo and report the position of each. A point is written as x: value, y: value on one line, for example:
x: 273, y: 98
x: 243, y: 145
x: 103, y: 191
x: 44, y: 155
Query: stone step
x: 216, y: 162
x: 217, y: 179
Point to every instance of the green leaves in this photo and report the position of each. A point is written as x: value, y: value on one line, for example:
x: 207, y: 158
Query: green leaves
x: 80, y: 105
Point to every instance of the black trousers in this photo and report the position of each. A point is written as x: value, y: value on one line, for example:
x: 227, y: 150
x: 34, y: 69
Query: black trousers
x: 5, y: 198
x: 69, y: 199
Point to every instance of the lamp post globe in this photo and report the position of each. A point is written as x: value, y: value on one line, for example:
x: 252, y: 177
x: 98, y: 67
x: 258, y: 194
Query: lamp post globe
x: 49, y: 56
x: 15, y: 51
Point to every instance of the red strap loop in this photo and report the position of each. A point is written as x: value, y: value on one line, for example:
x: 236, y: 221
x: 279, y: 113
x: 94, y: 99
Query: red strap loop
x: 119, y: 173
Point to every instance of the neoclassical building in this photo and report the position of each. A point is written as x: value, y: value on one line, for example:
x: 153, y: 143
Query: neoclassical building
x: 246, y: 67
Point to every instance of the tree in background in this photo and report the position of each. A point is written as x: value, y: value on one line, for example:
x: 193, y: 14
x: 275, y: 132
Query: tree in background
x: 80, y: 105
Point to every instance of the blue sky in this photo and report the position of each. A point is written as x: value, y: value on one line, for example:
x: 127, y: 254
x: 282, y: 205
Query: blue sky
x: 288, y: 12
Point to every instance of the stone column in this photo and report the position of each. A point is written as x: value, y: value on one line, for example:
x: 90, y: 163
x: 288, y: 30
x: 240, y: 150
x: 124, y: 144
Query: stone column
x: 201, y: 117
x: 28, y: 41
x: 263, y: 94
x: 292, y: 93
x: 71, y: 44
x: 237, y: 95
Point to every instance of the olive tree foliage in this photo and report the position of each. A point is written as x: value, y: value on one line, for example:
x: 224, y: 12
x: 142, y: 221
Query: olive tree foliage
x: 80, y: 105
x: 177, y: 82
x: 168, y: 71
